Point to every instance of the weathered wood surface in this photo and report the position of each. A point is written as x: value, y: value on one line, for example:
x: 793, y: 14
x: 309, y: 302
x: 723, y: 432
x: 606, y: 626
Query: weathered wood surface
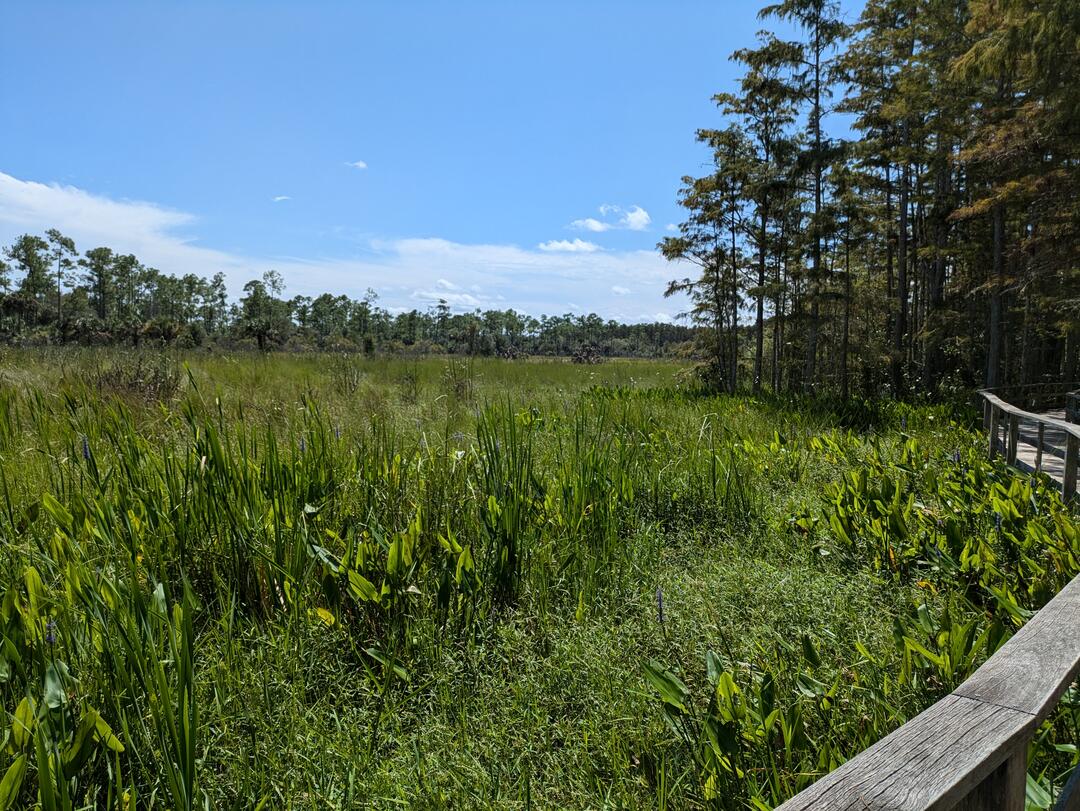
x: 1053, y: 444
x: 1008, y: 408
x: 1005, y: 789
x: 932, y: 762
x: 968, y: 750
x: 1038, y: 664
x: 1043, y: 442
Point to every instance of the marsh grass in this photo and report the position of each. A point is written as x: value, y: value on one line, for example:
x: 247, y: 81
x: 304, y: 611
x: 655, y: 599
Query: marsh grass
x: 316, y: 582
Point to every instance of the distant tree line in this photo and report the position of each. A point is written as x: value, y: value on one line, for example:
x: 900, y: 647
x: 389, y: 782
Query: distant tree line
x: 50, y: 293
x: 938, y: 246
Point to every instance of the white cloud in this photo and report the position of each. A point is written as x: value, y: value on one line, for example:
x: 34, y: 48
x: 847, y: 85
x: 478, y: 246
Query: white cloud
x: 568, y: 246
x: 671, y: 227
x: 634, y: 218
x: 458, y: 300
x: 591, y: 224
x: 403, y: 271
x: 281, y: 198
x: 356, y: 164
x: 619, y: 290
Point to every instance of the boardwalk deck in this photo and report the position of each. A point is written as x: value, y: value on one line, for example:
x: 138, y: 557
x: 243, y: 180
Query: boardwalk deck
x: 1053, y: 455
x: 1044, y: 441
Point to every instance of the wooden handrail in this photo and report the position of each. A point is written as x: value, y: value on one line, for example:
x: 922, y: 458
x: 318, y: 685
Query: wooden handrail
x: 995, y: 407
x: 968, y: 751
x: 996, y: 402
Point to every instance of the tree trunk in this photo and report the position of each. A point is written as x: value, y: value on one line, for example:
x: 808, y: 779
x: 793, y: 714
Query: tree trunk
x: 997, y: 335
x: 759, y: 327
x: 844, y: 390
x: 900, y: 325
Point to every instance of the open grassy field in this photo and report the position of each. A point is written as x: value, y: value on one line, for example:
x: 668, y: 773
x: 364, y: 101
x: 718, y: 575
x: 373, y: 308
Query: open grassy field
x: 329, y: 582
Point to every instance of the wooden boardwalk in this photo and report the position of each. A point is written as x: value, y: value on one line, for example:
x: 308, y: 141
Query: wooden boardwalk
x: 1035, y: 441
x: 1052, y: 462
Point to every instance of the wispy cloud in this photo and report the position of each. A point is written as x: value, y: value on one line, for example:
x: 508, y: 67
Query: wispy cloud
x: 592, y: 224
x: 404, y: 272
x: 281, y: 198
x: 619, y: 290
x: 671, y: 227
x: 634, y: 218
x: 569, y: 246
x: 356, y: 164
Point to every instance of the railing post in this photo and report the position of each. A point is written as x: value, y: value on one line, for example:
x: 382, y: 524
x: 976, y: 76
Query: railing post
x: 993, y: 430
x: 1068, y: 485
x: 1038, y: 447
x: 1003, y: 789
x: 1014, y: 438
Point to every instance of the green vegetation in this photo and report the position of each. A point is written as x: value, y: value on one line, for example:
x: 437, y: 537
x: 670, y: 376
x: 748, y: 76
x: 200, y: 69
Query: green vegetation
x: 927, y: 240
x: 106, y: 298
x: 330, y: 581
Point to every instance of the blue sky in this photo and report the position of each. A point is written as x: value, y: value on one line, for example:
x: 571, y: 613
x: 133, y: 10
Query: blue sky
x: 498, y: 154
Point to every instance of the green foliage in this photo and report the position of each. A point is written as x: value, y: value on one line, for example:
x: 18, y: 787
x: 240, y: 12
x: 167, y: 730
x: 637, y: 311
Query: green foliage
x: 264, y: 586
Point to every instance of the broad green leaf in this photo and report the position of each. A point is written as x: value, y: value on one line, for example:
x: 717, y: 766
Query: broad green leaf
x: 671, y: 689
x: 22, y: 727
x: 106, y: 735
x: 12, y: 782
x: 809, y: 686
x: 55, y: 678
x: 361, y: 588
x: 1037, y: 794
x: 82, y: 745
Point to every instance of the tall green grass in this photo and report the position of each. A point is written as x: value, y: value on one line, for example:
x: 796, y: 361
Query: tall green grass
x: 319, y: 582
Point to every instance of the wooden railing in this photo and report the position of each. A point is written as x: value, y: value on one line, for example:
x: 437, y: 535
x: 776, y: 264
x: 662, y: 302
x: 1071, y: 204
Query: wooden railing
x: 1072, y: 406
x: 1002, y: 417
x: 969, y: 751
x: 1041, y: 396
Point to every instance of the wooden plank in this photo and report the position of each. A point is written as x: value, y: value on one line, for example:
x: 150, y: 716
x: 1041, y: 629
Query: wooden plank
x: 1039, y: 447
x: 1004, y: 790
x: 1068, y: 485
x: 993, y: 429
x: 1067, y: 427
x: 1052, y: 462
x: 1014, y: 438
x: 1031, y: 671
x: 930, y: 764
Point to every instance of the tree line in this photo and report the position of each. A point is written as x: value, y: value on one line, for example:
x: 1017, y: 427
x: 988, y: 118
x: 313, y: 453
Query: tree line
x: 936, y: 245
x: 52, y: 293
